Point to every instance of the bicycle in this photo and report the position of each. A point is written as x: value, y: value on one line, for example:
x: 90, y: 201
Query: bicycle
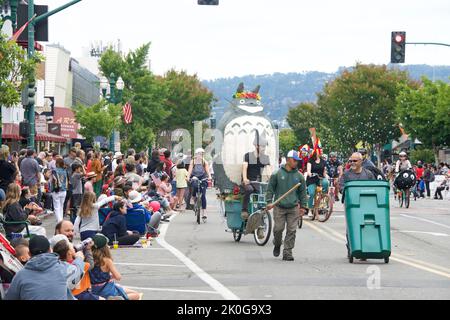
x: 323, y: 202
x: 198, y: 201
x: 408, y: 181
x: 404, y: 197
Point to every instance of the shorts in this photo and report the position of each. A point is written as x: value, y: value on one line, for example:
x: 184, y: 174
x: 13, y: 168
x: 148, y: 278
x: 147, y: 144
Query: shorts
x: 87, y: 295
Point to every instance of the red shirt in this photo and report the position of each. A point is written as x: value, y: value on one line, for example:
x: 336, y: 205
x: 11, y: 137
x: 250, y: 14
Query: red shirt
x: 169, y: 165
x: 419, y: 173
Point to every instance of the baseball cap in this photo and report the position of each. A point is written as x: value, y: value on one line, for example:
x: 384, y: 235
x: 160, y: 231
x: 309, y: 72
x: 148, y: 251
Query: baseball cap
x: 100, y: 240
x: 293, y: 154
x: 39, y: 245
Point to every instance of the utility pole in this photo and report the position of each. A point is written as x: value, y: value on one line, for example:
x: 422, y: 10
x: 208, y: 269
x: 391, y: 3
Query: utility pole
x: 29, y: 114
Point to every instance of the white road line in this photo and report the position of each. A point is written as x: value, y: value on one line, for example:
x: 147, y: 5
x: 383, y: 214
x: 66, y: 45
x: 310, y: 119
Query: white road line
x: 213, y: 283
x: 426, y: 220
x: 436, y: 234
x: 172, y: 290
x: 150, y: 264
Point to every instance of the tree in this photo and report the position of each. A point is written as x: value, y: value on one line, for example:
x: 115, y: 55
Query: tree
x: 288, y: 141
x: 15, y: 70
x: 425, y: 155
x: 360, y: 105
x: 301, y: 118
x: 425, y: 113
x: 98, y: 120
x: 146, y: 93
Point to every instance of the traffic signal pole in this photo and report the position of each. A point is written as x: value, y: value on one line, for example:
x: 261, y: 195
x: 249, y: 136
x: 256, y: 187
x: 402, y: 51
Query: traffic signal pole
x: 29, y: 114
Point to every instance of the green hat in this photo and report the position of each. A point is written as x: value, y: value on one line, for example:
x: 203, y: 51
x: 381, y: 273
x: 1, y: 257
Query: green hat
x: 100, y: 241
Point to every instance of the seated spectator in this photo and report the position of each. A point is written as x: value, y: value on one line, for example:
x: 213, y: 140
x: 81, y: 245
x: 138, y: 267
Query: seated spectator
x: 118, y: 184
x: 139, y: 218
x: 87, y: 222
x: 104, y: 273
x: 44, y: 277
x: 165, y: 191
x: 8, y: 169
x: 21, y: 246
x: 441, y: 187
x: 13, y: 212
x: 66, y: 228
x: 132, y: 176
x: 67, y: 254
x: 26, y: 200
x: 153, y: 195
x: 115, y: 226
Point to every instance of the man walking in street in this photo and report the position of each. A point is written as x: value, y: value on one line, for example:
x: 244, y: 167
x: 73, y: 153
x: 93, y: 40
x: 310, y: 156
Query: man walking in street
x: 31, y: 172
x: 287, y: 211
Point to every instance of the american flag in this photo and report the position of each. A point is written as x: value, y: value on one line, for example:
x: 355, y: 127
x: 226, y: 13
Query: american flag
x: 127, y: 114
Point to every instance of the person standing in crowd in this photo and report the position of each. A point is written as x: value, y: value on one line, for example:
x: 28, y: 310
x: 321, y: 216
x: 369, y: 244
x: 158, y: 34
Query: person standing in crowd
x: 98, y: 169
x: 52, y: 163
x: 44, y: 277
x: 154, y: 161
x: 31, y: 172
x: 168, y: 162
x: 90, y: 180
x: 59, y: 184
x: 182, y: 179
x: 118, y: 155
x: 287, y: 212
x: 8, y: 170
x: 428, y: 176
x: 366, y: 161
x: 68, y: 165
x: 77, y: 185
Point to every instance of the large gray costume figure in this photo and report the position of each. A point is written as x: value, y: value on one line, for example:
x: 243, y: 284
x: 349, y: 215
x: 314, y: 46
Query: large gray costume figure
x: 240, y: 124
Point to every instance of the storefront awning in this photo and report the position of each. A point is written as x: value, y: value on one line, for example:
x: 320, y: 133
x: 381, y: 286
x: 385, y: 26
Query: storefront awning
x: 50, y: 137
x: 10, y: 131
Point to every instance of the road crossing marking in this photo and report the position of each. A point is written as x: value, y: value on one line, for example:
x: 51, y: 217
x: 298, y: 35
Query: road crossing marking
x: 213, y: 283
x: 150, y: 264
x: 173, y: 290
x: 426, y: 220
x: 339, y: 238
x: 436, y: 234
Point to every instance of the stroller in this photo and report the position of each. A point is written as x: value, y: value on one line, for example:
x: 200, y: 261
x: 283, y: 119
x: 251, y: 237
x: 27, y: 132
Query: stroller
x: 9, y: 265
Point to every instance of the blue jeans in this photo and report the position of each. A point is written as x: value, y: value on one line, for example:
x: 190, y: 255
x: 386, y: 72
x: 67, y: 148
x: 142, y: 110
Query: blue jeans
x: 203, y: 187
x: 312, y: 192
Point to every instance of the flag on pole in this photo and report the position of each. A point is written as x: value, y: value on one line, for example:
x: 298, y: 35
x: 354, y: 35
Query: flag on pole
x: 21, y: 30
x: 127, y: 113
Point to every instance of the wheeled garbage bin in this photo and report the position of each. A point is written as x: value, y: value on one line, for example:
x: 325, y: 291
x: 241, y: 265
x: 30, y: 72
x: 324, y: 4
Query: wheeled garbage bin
x: 368, y: 219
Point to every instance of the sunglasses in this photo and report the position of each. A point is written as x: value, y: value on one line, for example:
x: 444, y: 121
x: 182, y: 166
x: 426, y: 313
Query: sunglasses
x: 353, y: 161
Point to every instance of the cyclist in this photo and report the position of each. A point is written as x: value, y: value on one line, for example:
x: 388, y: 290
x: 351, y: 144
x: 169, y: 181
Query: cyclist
x: 402, y: 163
x: 334, y: 170
x: 366, y: 161
x: 316, y: 165
x: 199, y: 168
x: 304, y: 157
x: 254, y: 163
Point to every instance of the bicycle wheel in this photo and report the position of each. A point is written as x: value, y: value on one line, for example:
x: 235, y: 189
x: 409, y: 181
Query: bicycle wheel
x: 197, y: 210
x: 407, y: 198
x: 267, y: 229
x: 325, y: 208
x: 400, y: 198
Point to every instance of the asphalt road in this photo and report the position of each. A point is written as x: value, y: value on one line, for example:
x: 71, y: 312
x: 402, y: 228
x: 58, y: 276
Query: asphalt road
x: 202, y: 262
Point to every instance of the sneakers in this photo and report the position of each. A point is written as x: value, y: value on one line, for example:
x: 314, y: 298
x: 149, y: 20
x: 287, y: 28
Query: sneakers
x: 288, y: 258
x: 276, y: 251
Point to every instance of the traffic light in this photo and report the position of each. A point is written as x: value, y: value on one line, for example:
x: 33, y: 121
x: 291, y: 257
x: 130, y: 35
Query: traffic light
x: 398, y: 46
x: 31, y: 93
x: 208, y: 2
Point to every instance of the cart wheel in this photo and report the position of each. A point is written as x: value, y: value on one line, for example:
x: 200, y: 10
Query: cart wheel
x: 267, y: 227
x: 386, y: 260
x: 237, y: 235
x: 350, y: 259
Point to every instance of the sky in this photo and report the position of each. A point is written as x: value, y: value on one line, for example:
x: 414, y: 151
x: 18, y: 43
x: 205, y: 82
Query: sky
x: 241, y: 37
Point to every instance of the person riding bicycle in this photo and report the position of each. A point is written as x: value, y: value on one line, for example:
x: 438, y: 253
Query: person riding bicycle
x: 334, y: 170
x: 254, y: 163
x: 199, y: 168
x: 304, y: 157
x: 366, y: 161
x: 316, y: 169
x: 402, y: 163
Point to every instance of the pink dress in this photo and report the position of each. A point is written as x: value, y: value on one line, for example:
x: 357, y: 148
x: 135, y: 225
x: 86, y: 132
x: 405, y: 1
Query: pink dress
x: 88, y: 187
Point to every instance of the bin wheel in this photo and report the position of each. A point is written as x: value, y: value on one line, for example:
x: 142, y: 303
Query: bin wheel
x: 237, y: 234
x: 350, y: 259
x: 386, y: 260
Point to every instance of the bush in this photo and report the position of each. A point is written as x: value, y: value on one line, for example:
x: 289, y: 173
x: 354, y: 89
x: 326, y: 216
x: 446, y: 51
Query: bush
x: 425, y: 155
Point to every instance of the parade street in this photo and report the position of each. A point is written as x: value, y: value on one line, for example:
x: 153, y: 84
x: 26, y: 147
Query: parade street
x: 202, y: 262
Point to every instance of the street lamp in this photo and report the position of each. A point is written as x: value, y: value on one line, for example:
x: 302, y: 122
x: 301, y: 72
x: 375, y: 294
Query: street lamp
x: 115, y: 96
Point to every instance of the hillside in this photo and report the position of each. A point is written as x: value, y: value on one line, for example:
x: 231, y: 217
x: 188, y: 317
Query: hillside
x: 281, y: 91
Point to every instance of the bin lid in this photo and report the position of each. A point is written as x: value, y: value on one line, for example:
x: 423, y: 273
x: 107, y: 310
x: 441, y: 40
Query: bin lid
x: 366, y: 183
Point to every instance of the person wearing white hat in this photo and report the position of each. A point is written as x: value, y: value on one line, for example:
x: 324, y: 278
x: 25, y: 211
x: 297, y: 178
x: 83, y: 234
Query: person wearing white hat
x: 150, y: 221
x: 402, y: 163
x: 117, y: 155
x: 199, y: 168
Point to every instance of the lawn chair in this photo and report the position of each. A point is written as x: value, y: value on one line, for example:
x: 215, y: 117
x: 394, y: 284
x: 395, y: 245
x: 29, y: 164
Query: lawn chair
x: 5, y: 223
x: 102, y: 214
x: 136, y: 221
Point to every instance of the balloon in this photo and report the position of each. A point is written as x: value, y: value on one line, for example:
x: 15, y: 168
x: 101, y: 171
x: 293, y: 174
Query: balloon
x: 155, y: 205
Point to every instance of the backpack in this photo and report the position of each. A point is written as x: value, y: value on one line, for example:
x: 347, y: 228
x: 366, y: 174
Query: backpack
x: 56, y: 184
x: 432, y: 177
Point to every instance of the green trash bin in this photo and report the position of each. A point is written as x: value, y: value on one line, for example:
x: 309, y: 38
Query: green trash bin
x: 368, y: 219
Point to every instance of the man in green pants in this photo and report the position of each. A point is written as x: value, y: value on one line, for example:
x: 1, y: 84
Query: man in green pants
x: 287, y: 211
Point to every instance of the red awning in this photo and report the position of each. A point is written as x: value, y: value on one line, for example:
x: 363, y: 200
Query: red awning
x: 49, y: 137
x: 11, y: 131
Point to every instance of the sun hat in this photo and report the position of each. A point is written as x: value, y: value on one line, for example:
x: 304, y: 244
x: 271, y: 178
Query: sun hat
x: 293, y: 154
x: 100, y: 241
x: 118, y: 154
x: 199, y: 150
x: 134, y: 196
x: 91, y: 175
x: 403, y: 153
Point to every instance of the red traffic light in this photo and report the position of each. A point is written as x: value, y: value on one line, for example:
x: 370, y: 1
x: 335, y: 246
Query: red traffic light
x: 399, y: 38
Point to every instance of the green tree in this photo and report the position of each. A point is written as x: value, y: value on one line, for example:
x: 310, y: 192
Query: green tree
x: 425, y: 155
x: 301, y: 118
x: 288, y: 141
x: 425, y: 113
x: 146, y: 93
x: 359, y: 105
x: 98, y: 120
x: 15, y: 70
